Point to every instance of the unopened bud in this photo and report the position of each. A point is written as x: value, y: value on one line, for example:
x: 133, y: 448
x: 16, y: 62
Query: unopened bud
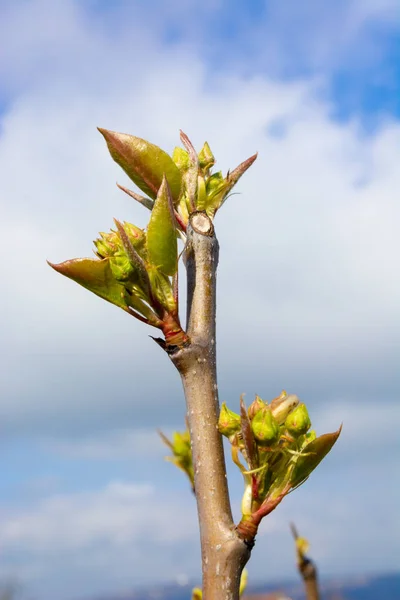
x: 255, y: 407
x: 181, y: 444
x: 265, y: 428
x: 122, y: 268
x: 283, y: 405
x: 228, y: 422
x: 107, y: 244
x: 298, y: 422
x: 206, y: 157
x: 136, y: 236
x: 181, y: 158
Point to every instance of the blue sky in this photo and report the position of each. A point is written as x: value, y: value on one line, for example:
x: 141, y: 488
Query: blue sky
x: 308, y: 294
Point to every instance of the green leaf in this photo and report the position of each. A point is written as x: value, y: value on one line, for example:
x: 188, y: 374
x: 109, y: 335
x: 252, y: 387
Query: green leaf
x: 161, y: 288
x: 96, y: 276
x: 162, y: 245
x: 144, y: 163
x: 311, y: 456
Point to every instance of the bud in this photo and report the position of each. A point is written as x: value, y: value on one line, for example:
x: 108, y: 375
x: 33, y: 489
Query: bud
x: 136, y: 236
x: 181, y: 158
x: 255, y: 407
x: 265, y: 428
x: 206, y: 157
x: 228, y: 422
x: 122, y: 268
x: 107, y: 244
x: 298, y: 421
x: 283, y: 405
x: 181, y: 444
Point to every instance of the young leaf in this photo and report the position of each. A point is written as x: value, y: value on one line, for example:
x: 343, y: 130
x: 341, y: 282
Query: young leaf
x: 143, y: 162
x: 314, y: 452
x: 162, y: 246
x: 96, y: 276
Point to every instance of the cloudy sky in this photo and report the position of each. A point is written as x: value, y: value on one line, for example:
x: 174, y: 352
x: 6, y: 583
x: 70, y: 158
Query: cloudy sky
x: 309, y: 292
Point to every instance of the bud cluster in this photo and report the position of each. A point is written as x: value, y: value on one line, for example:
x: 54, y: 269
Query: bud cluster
x: 278, y: 446
x: 137, y: 269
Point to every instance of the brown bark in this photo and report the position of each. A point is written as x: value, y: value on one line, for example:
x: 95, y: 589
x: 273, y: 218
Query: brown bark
x: 224, y: 554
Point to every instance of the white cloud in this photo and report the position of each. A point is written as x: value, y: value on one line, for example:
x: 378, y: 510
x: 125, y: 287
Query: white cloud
x: 308, y: 250
x: 308, y: 293
x: 105, y: 528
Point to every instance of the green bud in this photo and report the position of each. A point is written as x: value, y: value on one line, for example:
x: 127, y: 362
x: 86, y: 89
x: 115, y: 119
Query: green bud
x: 255, y: 407
x: 283, y: 405
x: 181, y: 158
x: 206, y: 157
x: 265, y: 427
x: 107, y: 244
x: 181, y: 444
x: 298, y: 421
x: 228, y: 422
x: 122, y: 268
x: 136, y: 236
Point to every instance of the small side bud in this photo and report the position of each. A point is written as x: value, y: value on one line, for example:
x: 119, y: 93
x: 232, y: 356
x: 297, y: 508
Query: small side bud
x: 181, y: 443
x: 206, y: 157
x: 255, y: 407
x: 265, y: 428
x: 282, y: 406
x: 298, y: 421
x: 181, y: 158
x: 228, y: 422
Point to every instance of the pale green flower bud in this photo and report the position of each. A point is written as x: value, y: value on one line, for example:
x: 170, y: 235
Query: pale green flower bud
x: 107, y: 245
x: 228, y: 422
x: 181, y: 158
x: 298, y: 421
x: 265, y: 428
x: 206, y: 157
x: 181, y: 444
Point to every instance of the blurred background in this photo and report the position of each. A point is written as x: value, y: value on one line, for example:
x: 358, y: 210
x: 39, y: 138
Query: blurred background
x: 308, y: 285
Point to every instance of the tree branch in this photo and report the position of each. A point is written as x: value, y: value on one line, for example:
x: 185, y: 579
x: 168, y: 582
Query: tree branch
x: 224, y: 554
x: 307, y: 570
